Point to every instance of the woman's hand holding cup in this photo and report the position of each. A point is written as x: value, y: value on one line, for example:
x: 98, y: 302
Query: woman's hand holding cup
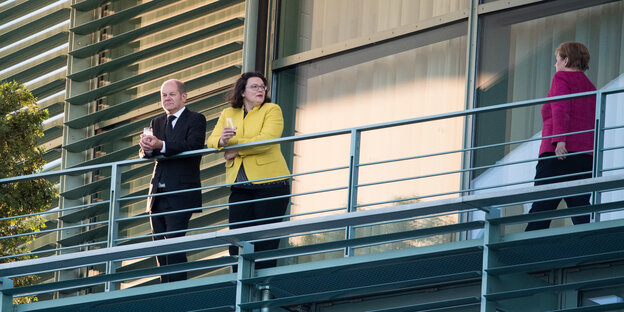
x: 229, y: 131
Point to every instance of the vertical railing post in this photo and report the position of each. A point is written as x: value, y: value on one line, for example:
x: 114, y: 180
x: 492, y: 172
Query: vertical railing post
x: 113, y: 215
x: 470, y: 100
x: 244, y: 291
x: 601, y: 101
x: 491, y: 234
x: 6, y: 301
x: 265, y: 295
x: 354, y: 166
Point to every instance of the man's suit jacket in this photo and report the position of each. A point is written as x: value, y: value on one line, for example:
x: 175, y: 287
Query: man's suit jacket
x: 263, y: 122
x: 189, y: 134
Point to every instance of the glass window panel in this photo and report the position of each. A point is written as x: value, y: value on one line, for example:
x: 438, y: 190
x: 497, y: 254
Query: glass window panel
x: 405, y: 78
x: 613, y: 157
x: 602, y: 297
x: 310, y: 24
x: 516, y: 62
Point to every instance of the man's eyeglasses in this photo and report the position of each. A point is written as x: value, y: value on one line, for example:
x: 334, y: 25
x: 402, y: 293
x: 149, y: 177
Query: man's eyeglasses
x: 255, y: 87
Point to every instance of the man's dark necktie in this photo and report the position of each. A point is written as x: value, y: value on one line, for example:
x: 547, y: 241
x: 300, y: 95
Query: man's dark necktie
x: 169, y: 127
x: 168, y: 134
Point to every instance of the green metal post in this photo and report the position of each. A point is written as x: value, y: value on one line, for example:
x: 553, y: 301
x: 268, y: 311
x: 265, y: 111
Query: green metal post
x: 471, y: 78
x: 244, y: 291
x: 488, y: 284
x: 6, y: 301
x: 601, y: 101
x: 113, y: 214
x: 354, y: 163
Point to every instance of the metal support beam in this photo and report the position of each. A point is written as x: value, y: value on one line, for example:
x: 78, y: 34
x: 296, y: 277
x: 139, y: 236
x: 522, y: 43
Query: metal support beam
x: 601, y: 102
x: 489, y: 283
x: 354, y: 168
x: 6, y: 301
x: 244, y: 291
x: 265, y: 295
x: 471, y: 78
x: 470, y: 102
x: 113, y: 226
x: 250, y: 36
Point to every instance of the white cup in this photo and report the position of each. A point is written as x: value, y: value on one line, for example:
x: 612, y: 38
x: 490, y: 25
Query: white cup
x: 148, y: 131
x: 229, y: 122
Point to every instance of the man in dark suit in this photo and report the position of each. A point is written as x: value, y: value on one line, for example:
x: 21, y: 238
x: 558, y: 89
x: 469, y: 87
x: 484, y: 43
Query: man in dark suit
x: 178, y: 131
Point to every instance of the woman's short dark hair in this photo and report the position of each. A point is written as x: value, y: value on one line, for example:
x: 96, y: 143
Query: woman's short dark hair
x: 235, y: 97
x: 577, y: 54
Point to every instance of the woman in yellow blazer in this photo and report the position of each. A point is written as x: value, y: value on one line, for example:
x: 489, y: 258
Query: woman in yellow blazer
x: 251, y: 119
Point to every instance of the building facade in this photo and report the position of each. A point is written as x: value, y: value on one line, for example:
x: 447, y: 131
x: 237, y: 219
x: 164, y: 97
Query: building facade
x: 97, y: 67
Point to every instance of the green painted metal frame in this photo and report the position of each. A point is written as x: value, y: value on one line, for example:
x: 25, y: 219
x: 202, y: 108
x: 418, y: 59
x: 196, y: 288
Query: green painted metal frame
x: 109, y: 20
x: 154, y: 50
x: 130, y: 294
x: 25, y: 6
x: 34, y: 49
x: 153, y: 98
x: 51, y: 19
x: 371, y: 290
x: 597, y: 308
x: 94, y: 48
x: 6, y: 299
x: 435, y: 306
x: 117, y: 86
x: 87, y: 5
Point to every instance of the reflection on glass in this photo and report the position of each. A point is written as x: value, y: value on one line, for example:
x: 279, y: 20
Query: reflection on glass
x: 367, y: 88
x: 311, y: 24
x: 602, y: 296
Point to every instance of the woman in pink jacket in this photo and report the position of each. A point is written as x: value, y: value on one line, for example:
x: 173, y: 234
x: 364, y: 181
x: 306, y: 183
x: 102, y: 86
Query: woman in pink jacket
x: 563, y: 117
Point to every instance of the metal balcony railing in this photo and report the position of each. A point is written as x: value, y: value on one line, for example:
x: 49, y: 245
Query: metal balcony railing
x: 354, y: 215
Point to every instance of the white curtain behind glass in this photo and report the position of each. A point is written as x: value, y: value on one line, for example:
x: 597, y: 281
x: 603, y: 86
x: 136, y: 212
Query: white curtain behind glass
x: 419, y: 82
x: 325, y: 22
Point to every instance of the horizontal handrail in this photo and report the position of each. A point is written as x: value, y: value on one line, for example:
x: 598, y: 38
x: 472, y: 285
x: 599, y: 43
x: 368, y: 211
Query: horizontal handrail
x: 54, y: 230
x: 55, y: 210
x: 78, y: 170
x: 232, y: 184
x: 470, y: 149
x: 55, y: 249
x: 228, y: 224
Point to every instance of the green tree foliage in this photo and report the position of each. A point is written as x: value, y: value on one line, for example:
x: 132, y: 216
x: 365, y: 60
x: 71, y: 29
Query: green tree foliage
x: 20, y: 125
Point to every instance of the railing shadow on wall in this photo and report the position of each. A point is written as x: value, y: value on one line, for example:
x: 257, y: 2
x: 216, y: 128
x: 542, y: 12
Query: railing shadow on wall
x: 347, y: 220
